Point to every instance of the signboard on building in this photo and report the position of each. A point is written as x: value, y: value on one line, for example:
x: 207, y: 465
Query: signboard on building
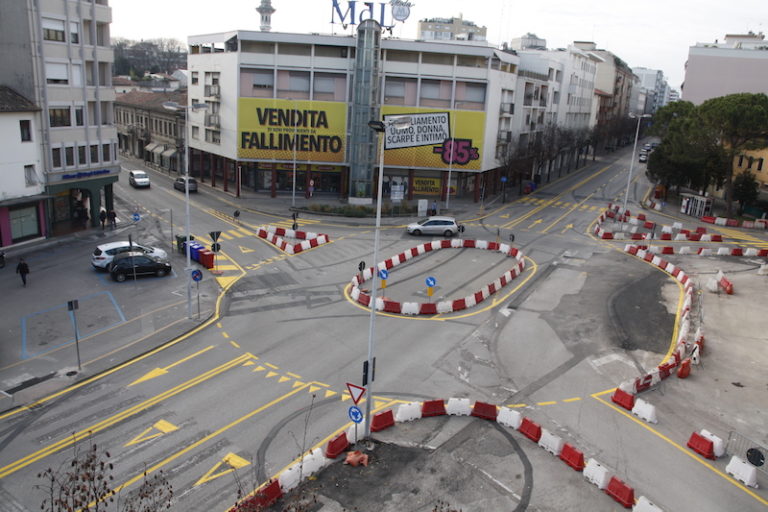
x: 353, y: 12
x: 434, y: 138
x: 272, y: 129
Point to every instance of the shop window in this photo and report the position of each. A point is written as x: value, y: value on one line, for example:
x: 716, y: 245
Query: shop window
x: 329, y: 87
x: 24, y: 224
x: 59, y: 116
x: 25, y: 126
x: 81, y: 160
x: 30, y: 178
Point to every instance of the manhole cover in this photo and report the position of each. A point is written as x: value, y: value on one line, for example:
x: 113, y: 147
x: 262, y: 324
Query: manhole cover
x: 71, y: 373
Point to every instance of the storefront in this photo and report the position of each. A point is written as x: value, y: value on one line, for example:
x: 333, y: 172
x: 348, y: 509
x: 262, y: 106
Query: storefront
x: 22, y: 219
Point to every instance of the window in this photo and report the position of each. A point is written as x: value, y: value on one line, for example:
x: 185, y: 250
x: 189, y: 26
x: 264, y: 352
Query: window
x: 81, y: 155
x: 470, y: 96
x: 79, y: 121
x: 74, y: 32
x: 257, y: 83
x: 195, y: 132
x: 69, y: 156
x: 400, y: 91
x: 105, y: 153
x: 25, y: 126
x: 760, y: 164
x: 437, y: 58
x: 94, y: 153
x: 30, y: 179
x: 435, y: 93
x: 750, y: 162
x: 213, y: 136
x: 53, y: 30
x: 194, y: 77
x: 294, y: 49
x: 59, y: 116
x: 56, y: 73
x: 329, y: 87
x: 77, y: 75
x: 56, y: 157
x: 402, y: 56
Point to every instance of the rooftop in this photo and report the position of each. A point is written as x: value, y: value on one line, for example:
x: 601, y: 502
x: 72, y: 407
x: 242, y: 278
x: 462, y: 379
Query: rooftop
x: 11, y: 101
x: 151, y: 100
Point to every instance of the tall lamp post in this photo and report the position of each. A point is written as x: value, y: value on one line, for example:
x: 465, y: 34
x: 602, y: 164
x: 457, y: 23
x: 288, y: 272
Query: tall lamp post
x: 172, y: 105
x: 399, y: 122
x: 632, y: 162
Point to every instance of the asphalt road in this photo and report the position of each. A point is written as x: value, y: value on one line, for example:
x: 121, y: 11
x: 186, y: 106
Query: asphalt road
x: 261, y: 377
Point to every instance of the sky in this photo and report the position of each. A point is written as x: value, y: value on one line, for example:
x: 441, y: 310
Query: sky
x: 651, y: 33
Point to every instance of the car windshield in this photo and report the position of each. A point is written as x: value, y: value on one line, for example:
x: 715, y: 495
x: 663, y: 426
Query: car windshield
x: 423, y: 221
x: 139, y: 174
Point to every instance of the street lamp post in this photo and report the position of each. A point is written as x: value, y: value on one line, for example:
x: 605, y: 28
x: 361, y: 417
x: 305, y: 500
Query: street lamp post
x: 632, y: 162
x: 172, y: 105
x: 379, y: 127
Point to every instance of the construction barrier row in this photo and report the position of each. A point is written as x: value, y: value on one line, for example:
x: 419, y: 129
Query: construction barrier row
x: 734, y: 223
x: 274, y: 235
x: 706, y: 251
x: 445, y: 306
x: 674, y: 232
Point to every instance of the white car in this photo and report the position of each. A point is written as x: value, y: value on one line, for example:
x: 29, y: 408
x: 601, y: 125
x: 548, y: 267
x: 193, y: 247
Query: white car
x: 103, y: 255
x: 138, y: 179
x: 445, y: 226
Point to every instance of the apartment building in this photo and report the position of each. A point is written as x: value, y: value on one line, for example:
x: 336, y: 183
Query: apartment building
x: 22, y: 184
x: 56, y: 53
x: 739, y: 64
x: 653, y: 81
x: 613, y: 84
x: 148, y: 131
x: 282, y: 106
x: 450, y: 29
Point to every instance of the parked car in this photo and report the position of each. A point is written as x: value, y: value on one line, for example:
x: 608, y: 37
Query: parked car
x: 105, y: 253
x: 445, y: 226
x: 138, y: 179
x: 179, y: 184
x: 647, y: 147
x: 137, y: 263
x: 643, y: 157
x: 654, y: 145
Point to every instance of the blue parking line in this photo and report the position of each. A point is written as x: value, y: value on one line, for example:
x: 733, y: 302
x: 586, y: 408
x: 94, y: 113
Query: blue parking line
x: 26, y: 355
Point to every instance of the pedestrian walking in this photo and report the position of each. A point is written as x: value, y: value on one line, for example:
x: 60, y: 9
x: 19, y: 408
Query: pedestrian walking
x: 112, y: 216
x: 22, y: 269
x: 103, y: 218
x: 434, y: 207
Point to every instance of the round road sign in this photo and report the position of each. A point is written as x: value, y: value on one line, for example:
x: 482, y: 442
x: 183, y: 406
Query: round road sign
x: 355, y: 414
x: 431, y: 281
x: 361, y: 266
x: 197, y: 275
x: 215, y: 247
x: 136, y: 217
x: 383, y: 274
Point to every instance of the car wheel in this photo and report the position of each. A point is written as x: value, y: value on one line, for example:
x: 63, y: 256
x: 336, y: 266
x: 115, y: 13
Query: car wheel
x: 160, y: 273
x: 119, y: 277
x: 448, y: 233
x: 417, y: 232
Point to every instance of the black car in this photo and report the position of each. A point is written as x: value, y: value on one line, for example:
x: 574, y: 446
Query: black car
x: 129, y: 263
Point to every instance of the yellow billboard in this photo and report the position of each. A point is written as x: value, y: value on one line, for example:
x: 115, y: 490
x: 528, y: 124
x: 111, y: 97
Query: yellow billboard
x: 272, y: 129
x: 434, y: 138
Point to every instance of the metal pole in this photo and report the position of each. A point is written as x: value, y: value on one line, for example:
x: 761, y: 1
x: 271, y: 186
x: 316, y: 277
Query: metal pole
x: 374, y: 278
x: 295, y: 138
x: 77, y: 340
x: 631, y: 164
x: 188, y: 269
x: 450, y: 165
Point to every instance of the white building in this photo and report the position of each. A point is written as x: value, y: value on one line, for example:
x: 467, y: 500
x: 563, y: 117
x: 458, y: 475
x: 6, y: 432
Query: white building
x: 653, y: 81
x: 22, y: 183
x: 450, y: 29
x: 740, y: 64
x: 58, y: 55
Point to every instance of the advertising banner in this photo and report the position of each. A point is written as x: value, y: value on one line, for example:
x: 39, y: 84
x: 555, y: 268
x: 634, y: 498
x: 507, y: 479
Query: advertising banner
x: 434, y: 138
x: 272, y: 129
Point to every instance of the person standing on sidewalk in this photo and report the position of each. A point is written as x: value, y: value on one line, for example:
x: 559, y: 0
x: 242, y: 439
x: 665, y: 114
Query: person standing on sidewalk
x: 22, y: 269
x: 112, y: 216
x: 103, y: 218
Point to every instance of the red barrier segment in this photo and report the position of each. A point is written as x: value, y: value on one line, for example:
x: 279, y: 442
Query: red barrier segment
x: 624, y: 399
x: 264, y: 497
x: 708, y: 220
x: 621, y: 492
x: 364, y: 299
x: 607, y: 235
x: 685, y: 368
x: 648, y: 257
x: 727, y: 285
x: 445, y: 244
x: 573, y: 457
x: 685, y: 232
x: 491, y: 289
x: 701, y: 230
x: 336, y: 446
x: 701, y: 445
x: 530, y: 429
x: 632, y: 250
x: 432, y: 408
x: 459, y: 304
x: 694, y: 237
x: 469, y: 243
x: 388, y: 263
x: 637, y: 236
x: 427, y: 308
x: 427, y: 247
x: 312, y: 242
x: 649, y: 225
x: 479, y: 297
x: 485, y: 411
x: 382, y: 420
x: 391, y: 306
x: 762, y: 253
x: 737, y: 251
x: 414, y: 251
x: 717, y: 238
x: 732, y: 223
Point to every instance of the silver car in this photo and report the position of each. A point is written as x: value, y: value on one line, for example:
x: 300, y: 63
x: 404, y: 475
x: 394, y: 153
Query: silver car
x: 179, y: 184
x: 445, y: 226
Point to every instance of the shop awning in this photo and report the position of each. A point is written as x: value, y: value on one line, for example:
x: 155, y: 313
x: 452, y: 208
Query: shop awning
x: 151, y: 147
x: 159, y: 149
x: 169, y: 153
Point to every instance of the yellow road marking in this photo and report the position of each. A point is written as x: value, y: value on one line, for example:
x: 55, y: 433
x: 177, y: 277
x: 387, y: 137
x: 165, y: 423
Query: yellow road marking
x: 232, y: 460
x: 574, y: 399
x: 566, y: 213
x: 234, y: 344
x: 162, y: 427
x: 162, y: 371
x: 547, y: 403
x: 120, y: 416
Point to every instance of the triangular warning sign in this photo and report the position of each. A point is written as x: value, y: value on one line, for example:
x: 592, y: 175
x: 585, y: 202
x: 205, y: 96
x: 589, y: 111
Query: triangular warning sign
x: 231, y: 463
x: 162, y: 427
x: 355, y: 391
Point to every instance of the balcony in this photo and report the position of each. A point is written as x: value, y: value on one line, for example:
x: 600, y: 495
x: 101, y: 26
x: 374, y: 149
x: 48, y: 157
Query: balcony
x: 212, y: 91
x: 212, y: 121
